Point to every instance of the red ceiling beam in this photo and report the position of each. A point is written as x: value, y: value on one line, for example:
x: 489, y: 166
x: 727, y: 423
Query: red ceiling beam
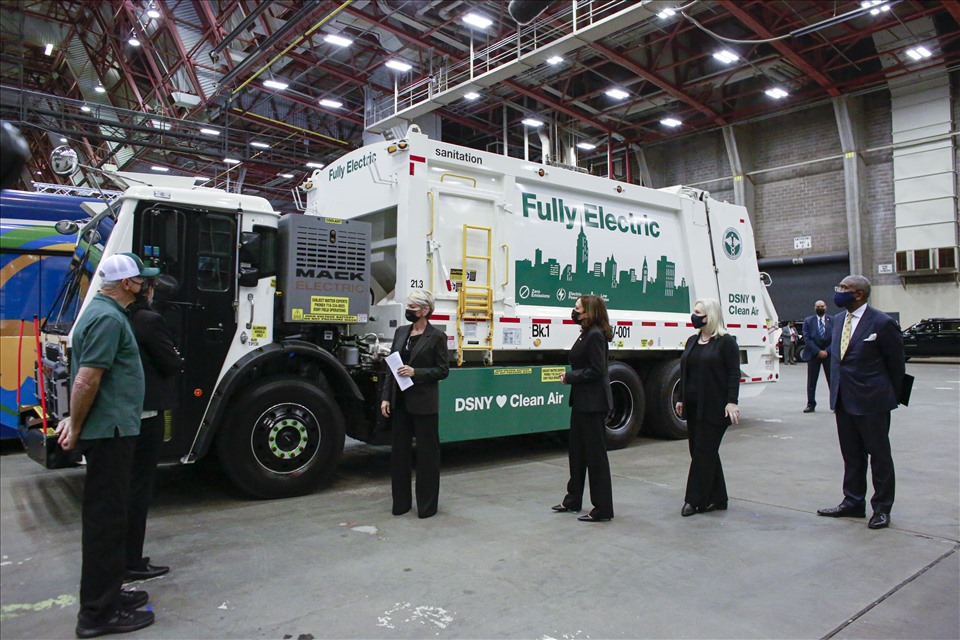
x: 556, y: 106
x: 735, y: 9
x: 952, y: 8
x: 653, y: 78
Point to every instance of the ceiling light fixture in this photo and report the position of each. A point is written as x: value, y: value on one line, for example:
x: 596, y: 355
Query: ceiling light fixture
x: 85, y: 109
x: 201, y: 179
x: 315, y: 165
x: 231, y: 161
x: 617, y: 94
x: 161, y: 124
x: 99, y: 88
x: 340, y: 41
x: 554, y: 60
x: 477, y: 20
x: 776, y: 93
x: 473, y: 95
x: 133, y: 41
x: 399, y: 65
x: 210, y: 132
x: 152, y: 11
x: 588, y: 146
x: 47, y: 50
x: 532, y: 122
x: 726, y: 57
x: 63, y: 139
x: 275, y: 84
x: 156, y: 168
x: 666, y: 13
x: 288, y: 176
x: 670, y: 122
x: 332, y: 104
x: 260, y: 145
x: 919, y: 53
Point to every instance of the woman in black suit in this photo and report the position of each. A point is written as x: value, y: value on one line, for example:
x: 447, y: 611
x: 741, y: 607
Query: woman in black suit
x: 709, y: 390
x: 590, y: 401
x: 423, y: 349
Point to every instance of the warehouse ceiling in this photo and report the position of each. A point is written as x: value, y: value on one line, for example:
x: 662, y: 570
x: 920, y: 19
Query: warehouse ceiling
x: 182, y: 85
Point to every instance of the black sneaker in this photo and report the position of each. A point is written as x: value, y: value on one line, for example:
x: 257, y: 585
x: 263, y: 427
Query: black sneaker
x: 133, y: 600
x: 122, y: 622
x: 145, y: 571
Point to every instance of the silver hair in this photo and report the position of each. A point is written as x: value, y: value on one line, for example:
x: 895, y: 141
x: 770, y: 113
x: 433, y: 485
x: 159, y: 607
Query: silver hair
x: 714, y: 312
x: 109, y: 285
x: 859, y: 283
x: 422, y: 298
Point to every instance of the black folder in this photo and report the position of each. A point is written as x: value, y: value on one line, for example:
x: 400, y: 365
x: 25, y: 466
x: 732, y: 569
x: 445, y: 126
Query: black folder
x: 905, y: 389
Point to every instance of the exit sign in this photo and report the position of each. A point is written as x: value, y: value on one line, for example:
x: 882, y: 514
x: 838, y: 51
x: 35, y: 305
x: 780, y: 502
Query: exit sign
x: 802, y: 242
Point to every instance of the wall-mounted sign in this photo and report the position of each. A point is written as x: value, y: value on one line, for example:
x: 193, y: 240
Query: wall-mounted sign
x: 885, y: 268
x: 802, y: 242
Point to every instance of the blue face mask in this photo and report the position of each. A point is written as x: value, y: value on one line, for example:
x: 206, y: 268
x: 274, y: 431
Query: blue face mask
x: 844, y: 299
x: 698, y: 321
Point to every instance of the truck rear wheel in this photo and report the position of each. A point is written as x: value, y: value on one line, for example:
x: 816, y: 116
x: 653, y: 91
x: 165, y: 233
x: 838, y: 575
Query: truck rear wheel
x: 626, y: 418
x: 663, y: 392
x: 284, y: 438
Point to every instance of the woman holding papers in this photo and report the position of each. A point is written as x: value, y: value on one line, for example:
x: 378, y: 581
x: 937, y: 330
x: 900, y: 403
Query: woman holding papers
x: 590, y: 402
x: 423, y: 351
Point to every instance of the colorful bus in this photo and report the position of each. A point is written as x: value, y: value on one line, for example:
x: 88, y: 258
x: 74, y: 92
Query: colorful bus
x: 34, y: 262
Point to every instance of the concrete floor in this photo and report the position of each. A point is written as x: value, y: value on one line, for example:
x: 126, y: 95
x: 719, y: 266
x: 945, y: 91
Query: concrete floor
x: 496, y: 563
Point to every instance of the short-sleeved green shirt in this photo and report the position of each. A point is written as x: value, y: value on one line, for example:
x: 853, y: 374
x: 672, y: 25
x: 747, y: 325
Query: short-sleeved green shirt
x: 103, y: 338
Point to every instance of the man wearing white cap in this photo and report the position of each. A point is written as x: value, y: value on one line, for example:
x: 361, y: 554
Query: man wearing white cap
x: 105, y: 406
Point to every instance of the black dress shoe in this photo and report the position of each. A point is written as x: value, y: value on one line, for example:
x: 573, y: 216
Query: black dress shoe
x: 562, y: 508
x: 592, y: 517
x: 843, y: 511
x: 145, y: 571
x: 809, y: 409
x: 720, y: 506
x: 133, y: 600
x: 688, y: 510
x: 400, y: 512
x: 122, y: 622
x: 879, y: 521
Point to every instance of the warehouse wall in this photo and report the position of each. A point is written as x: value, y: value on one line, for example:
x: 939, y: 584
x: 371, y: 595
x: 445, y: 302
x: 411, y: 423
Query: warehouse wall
x: 794, y: 163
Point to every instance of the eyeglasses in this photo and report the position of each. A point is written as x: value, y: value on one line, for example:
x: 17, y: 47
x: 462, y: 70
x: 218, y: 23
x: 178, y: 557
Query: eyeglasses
x: 138, y: 281
x: 840, y: 288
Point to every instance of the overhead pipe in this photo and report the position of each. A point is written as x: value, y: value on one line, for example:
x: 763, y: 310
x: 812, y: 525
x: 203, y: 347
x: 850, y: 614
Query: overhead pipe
x: 545, y: 143
x: 243, y: 26
x: 526, y: 11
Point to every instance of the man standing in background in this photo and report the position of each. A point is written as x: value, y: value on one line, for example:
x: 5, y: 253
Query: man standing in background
x: 817, y: 336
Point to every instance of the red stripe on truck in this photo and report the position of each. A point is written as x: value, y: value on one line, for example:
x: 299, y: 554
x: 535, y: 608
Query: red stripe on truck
x: 540, y: 320
x: 510, y: 320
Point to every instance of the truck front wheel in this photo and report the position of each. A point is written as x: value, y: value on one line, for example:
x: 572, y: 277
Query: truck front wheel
x: 663, y: 392
x: 282, y: 437
x: 626, y: 418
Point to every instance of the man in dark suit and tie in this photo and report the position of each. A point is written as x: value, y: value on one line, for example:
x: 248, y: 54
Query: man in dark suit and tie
x: 866, y: 376
x: 817, y: 335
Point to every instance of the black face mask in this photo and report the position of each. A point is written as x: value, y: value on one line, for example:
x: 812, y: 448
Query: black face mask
x: 411, y: 315
x: 698, y: 321
x: 140, y: 297
x: 576, y: 317
x: 821, y: 312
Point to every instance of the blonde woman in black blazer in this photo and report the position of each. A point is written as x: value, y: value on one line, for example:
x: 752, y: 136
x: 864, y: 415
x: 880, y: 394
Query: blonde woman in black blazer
x: 709, y: 390
x: 590, y: 402
x: 423, y: 349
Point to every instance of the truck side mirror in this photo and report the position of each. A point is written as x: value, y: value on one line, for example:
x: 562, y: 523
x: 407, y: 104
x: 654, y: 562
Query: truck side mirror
x: 250, y: 248
x: 249, y: 276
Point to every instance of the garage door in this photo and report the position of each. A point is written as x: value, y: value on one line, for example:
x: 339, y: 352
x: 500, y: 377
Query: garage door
x: 796, y: 287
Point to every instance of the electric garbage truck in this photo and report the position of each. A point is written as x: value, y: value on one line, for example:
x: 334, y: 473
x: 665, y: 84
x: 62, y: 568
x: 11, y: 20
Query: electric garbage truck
x: 284, y: 320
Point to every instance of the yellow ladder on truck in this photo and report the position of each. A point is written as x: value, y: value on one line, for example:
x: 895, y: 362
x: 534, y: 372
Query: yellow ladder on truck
x: 475, y: 301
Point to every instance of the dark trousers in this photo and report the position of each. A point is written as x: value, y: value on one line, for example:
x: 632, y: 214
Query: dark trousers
x: 705, y: 482
x: 862, y: 436
x: 426, y: 429
x: 813, y: 375
x: 588, y: 455
x: 145, y: 458
x: 106, y: 495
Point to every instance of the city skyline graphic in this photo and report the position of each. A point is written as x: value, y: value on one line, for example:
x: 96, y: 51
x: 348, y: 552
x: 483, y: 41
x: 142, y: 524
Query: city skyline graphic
x: 548, y: 283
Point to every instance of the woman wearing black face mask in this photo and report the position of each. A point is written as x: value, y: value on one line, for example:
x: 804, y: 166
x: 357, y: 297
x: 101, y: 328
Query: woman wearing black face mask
x: 590, y: 402
x: 423, y: 349
x: 709, y: 390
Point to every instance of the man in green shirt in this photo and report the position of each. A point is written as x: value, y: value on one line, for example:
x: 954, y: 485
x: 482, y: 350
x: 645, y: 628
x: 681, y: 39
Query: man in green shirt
x: 105, y: 405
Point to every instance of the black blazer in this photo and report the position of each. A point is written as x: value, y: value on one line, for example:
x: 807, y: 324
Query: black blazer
x: 430, y: 362
x: 160, y: 358
x: 719, y: 382
x: 812, y: 343
x: 590, y: 376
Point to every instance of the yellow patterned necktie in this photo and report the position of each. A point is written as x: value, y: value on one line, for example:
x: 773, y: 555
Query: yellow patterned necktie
x: 845, y: 336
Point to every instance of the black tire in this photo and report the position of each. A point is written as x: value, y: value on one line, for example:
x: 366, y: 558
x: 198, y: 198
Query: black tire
x: 283, y: 437
x: 662, y: 396
x: 629, y: 404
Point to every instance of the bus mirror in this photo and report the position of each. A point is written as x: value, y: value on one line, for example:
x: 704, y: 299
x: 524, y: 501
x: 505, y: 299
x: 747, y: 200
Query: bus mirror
x: 92, y: 236
x: 66, y: 227
x: 64, y: 161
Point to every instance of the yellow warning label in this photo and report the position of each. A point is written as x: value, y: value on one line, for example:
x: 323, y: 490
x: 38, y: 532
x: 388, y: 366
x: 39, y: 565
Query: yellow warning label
x: 513, y: 371
x: 326, y: 309
x: 551, y: 374
x: 297, y: 314
x: 333, y: 220
x: 259, y: 332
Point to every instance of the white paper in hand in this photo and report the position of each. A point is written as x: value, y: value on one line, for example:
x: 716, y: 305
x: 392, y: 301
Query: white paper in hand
x: 394, y: 362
